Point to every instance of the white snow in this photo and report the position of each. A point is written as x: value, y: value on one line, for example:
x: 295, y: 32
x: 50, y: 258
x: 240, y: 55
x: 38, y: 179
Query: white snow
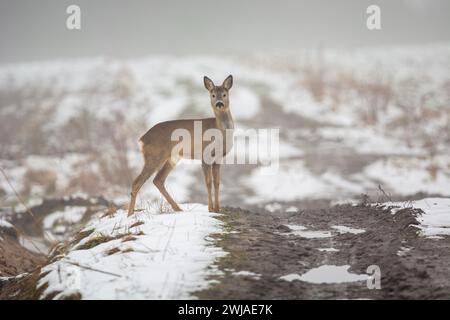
x: 5, y: 224
x: 171, y: 259
x: 345, y: 229
x: 293, y: 181
x: 302, y: 231
x: 435, y: 220
x: 57, y: 223
x: 367, y: 140
x: 168, y: 87
x: 19, y: 276
x: 70, y: 214
x: 248, y: 274
x: 245, y: 103
x: 328, y: 249
x: 407, y: 176
x: 326, y: 274
x: 290, y: 277
x: 403, y: 251
x: 273, y: 207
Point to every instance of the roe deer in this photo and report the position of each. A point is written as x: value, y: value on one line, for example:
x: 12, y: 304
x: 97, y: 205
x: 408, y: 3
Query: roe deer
x: 157, y: 147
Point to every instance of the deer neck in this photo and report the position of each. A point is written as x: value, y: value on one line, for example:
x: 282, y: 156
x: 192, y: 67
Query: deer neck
x: 224, y: 120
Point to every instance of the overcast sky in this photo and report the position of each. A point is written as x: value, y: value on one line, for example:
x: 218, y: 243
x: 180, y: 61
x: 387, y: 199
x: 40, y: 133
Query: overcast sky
x: 36, y: 29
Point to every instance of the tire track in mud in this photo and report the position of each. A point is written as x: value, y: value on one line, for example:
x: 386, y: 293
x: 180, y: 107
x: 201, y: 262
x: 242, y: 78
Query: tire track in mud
x: 259, y: 243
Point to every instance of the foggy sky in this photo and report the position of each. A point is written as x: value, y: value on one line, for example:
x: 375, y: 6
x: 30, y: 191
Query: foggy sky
x: 36, y: 30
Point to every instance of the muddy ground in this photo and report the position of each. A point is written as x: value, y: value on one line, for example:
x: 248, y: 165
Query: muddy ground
x: 258, y: 242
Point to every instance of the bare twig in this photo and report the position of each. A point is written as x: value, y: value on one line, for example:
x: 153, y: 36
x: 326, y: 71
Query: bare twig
x: 383, y: 193
x: 50, y: 239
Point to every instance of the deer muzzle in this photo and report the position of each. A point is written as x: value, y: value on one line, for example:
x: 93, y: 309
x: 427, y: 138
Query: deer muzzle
x: 219, y: 104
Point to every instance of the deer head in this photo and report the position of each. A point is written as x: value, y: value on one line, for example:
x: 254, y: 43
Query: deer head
x: 219, y: 94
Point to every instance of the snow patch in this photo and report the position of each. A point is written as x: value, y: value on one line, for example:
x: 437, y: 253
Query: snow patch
x: 407, y: 176
x: 166, y: 256
x: 5, y: 224
x: 328, y: 249
x: 403, y: 251
x: 435, y: 220
x: 272, y: 207
x: 248, y: 274
x: 345, y: 229
x: 302, y: 231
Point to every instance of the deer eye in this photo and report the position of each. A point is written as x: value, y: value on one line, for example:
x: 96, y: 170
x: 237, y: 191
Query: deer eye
x: 224, y: 95
x: 213, y: 95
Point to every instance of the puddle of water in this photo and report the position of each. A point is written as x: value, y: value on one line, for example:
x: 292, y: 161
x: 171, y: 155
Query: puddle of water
x: 403, y: 251
x: 345, y: 229
x: 328, y: 249
x: 248, y: 274
x: 309, y: 234
x: 435, y: 237
x: 327, y: 274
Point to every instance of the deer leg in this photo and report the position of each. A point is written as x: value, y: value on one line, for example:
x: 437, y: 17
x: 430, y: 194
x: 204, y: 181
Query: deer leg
x: 160, y: 179
x: 208, y: 180
x: 146, y: 172
x: 216, y: 179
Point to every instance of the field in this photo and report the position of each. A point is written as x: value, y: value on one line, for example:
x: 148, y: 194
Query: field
x: 363, y: 178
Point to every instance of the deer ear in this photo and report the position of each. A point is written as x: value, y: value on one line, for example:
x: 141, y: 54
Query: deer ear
x: 209, y: 85
x: 228, y: 82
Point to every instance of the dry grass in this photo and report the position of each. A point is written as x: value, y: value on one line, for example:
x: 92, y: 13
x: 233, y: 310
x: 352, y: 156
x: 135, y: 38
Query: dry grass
x: 42, y: 177
x: 137, y: 223
x: 95, y: 241
x: 127, y: 250
x: 128, y: 238
x: 112, y: 251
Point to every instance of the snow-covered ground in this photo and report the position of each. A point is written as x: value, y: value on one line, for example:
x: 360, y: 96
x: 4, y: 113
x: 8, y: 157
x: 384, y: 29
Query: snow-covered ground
x: 349, y: 122
x: 147, y: 256
x: 76, y: 123
x: 435, y: 219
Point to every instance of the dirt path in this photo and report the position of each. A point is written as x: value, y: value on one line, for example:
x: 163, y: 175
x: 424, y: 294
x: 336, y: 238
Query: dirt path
x: 411, y: 266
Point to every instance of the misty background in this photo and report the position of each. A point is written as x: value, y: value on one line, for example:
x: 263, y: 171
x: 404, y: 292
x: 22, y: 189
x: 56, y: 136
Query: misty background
x: 36, y: 30
x: 360, y: 112
x: 363, y: 117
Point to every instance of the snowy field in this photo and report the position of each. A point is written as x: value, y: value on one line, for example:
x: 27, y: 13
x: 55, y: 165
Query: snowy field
x: 349, y: 121
x: 351, y: 124
x: 147, y: 256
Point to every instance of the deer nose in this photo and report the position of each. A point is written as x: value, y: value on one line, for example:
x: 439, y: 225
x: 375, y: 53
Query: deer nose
x: 219, y: 104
